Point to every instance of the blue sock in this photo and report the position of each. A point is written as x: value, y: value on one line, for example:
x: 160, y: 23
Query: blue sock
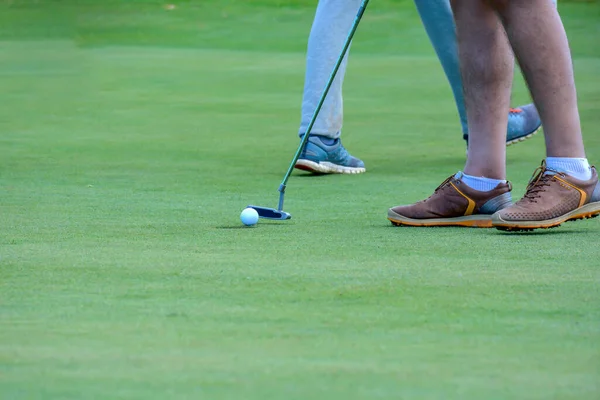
x: 439, y: 23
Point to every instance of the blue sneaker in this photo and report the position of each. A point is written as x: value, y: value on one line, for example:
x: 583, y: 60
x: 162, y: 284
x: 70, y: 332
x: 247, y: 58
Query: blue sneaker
x: 320, y: 158
x: 523, y: 123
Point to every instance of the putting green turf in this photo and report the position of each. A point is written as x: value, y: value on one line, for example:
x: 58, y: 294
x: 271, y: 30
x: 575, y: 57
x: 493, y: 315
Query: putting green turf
x: 131, y: 138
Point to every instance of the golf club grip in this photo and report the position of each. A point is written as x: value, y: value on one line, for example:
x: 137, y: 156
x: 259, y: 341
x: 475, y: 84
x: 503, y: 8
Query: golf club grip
x: 357, y: 19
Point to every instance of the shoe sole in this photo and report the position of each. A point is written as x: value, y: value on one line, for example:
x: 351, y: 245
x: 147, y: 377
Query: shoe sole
x: 523, y: 138
x: 591, y: 210
x: 326, y: 168
x: 471, y: 221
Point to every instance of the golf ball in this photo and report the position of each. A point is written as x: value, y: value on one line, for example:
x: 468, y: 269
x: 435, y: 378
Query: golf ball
x: 249, y: 216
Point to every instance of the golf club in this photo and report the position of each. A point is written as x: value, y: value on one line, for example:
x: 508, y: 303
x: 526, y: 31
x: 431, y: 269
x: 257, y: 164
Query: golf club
x: 279, y: 214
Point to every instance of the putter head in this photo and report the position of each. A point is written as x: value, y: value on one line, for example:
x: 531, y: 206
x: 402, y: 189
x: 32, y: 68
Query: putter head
x: 271, y: 213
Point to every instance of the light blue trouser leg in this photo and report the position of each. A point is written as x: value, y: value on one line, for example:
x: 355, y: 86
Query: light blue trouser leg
x: 330, y: 28
x: 439, y: 23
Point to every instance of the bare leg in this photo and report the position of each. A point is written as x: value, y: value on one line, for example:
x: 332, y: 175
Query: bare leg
x: 548, y: 70
x: 568, y: 189
x: 487, y: 69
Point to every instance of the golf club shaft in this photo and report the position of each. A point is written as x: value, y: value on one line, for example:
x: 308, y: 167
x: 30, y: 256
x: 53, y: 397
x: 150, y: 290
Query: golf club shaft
x: 357, y: 19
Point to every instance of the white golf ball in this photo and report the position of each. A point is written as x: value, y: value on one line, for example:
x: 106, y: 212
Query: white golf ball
x: 249, y: 216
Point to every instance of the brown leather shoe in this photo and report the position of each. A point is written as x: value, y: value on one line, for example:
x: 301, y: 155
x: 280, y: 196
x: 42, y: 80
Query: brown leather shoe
x: 454, y: 204
x: 551, y: 199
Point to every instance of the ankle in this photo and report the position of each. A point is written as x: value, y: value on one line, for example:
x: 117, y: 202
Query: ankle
x: 481, y: 184
x: 578, y: 168
x: 326, y: 140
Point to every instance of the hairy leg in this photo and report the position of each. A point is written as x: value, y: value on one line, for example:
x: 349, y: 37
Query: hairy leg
x: 487, y: 71
x: 548, y: 70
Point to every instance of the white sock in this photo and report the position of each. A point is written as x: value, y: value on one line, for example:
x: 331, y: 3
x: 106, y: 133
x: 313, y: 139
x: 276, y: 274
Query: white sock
x: 578, y: 168
x: 479, y: 183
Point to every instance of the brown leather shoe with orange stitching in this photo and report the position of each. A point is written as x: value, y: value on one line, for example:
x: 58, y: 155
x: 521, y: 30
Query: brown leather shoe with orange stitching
x: 551, y: 199
x: 454, y: 204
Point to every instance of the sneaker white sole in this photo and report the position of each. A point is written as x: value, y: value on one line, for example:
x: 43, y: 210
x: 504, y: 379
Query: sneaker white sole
x: 523, y: 138
x: 519, y: 140
x: 327, y: 168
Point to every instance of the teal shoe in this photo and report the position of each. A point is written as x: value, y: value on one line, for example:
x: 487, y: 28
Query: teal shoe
x: 523, y: 123
x: 320, y: 158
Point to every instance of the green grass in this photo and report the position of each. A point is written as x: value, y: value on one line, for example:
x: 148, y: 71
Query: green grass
x: 133, y: 136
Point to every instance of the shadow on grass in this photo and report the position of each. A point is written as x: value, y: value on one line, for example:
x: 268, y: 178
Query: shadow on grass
x: 251, y: 227
x: 407, y: 228
x: 538, y: 232
x: 299, y: 174
x: 487, y: 231
x: 306, y: 174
